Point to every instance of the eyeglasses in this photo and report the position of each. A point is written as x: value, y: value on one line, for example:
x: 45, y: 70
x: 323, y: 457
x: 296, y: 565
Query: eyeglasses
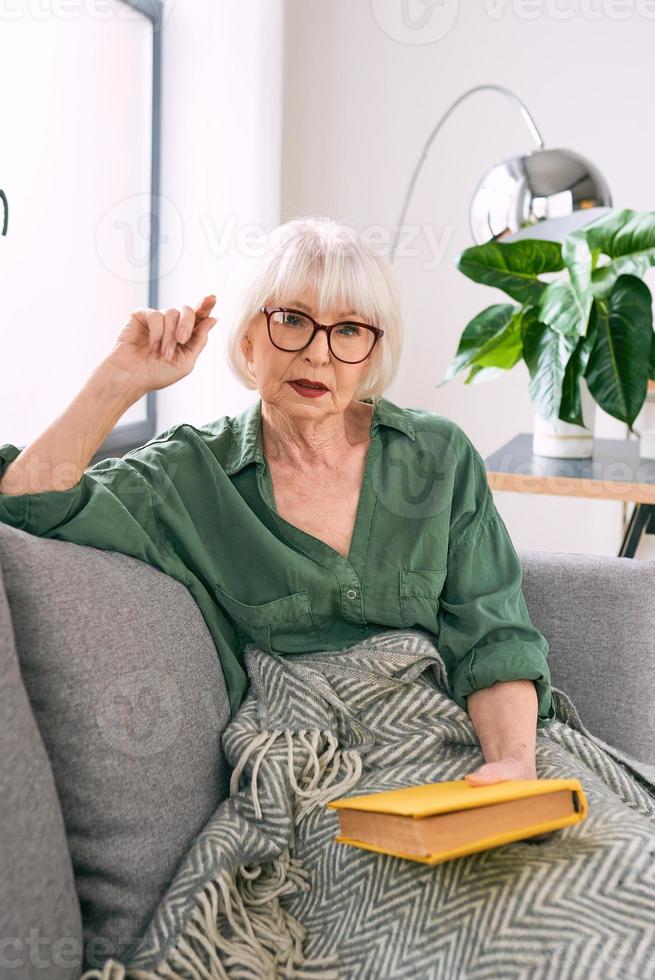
x: 291, y: 330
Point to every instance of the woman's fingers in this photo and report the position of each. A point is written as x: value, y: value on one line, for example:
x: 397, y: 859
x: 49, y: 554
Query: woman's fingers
x: 155, y: 322
x: 198, y: 339
x: 205, y: 306
x: 494, y: 772
x: 168, y: 343
x: 509, y: 767
x: 167, y: 329
x: 186, y: 324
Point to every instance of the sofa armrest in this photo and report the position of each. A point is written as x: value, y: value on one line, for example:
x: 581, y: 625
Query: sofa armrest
x: 40, y: 923
x: 598, y: 615
x: 127, y: 690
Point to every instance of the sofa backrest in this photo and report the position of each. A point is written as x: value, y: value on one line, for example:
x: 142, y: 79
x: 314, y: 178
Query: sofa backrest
x: 127, y: 690
x: 598, y: 614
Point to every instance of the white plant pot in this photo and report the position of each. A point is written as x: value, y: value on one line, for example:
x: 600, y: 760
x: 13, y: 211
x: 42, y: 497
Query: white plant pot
x: 564, y: 439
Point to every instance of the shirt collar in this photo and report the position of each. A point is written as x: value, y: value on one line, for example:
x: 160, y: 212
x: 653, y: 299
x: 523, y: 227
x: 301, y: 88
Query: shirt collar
x: 246, y: 443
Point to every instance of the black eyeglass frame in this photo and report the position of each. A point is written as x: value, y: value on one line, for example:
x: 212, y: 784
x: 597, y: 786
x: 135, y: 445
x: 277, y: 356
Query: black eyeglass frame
x: 267, y: 310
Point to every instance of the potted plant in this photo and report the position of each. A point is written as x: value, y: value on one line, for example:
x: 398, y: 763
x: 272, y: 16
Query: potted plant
x: 582, y: 322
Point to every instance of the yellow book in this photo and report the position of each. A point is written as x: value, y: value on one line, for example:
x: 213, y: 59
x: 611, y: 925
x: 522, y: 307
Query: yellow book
x: 436, y: 822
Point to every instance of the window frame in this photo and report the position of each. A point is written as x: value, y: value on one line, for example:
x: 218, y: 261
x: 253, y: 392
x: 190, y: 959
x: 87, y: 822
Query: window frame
x: 131, y: 435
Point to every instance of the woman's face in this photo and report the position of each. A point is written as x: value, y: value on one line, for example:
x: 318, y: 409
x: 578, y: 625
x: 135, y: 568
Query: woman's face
x: 274, y: 368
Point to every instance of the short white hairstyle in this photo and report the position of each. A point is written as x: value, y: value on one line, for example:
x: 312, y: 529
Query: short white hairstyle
x: 344, y: 272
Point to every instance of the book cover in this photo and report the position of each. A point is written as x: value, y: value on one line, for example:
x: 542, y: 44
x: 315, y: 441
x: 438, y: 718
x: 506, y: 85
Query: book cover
x: 430, y: 799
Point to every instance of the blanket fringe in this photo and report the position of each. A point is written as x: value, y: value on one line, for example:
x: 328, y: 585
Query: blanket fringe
x: 318, y: 791
x: 267, y: 941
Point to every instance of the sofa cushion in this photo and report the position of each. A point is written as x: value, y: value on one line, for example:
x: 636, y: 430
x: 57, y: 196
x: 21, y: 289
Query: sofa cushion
x: 598, y: 614
x: 40, y: 925
x: 127, y: 689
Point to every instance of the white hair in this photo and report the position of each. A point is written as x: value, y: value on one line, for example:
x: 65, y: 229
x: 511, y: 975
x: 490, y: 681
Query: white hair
x: 344, y: 272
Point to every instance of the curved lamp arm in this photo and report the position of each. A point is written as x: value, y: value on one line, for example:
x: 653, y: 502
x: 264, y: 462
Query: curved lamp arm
x: 529, y: 121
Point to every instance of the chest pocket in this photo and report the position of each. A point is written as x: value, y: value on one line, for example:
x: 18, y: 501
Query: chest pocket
x: 420, y: 589
x: 284, y: 625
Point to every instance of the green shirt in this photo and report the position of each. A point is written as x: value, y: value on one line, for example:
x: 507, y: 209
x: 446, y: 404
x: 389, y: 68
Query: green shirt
x: 429, y: 549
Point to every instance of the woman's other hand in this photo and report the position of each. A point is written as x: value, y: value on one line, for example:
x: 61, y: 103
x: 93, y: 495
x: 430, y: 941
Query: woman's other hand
x: 498, y: 772
x: 156, y: 348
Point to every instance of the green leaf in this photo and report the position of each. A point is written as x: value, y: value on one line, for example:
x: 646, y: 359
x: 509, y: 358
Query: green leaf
x: 546, y: 353
x: 603, y: 279
x: 580, y: 259
x: 504, y: 348
x: 618, y: 366
x: 561, y: 308
x: 571, y: 405
x: 512, y: 266
x: 627, y: 237
x: 487, y: 324
x: 478, y: 374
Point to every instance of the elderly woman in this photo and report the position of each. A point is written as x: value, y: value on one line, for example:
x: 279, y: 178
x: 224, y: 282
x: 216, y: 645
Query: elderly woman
x: 321, y: 514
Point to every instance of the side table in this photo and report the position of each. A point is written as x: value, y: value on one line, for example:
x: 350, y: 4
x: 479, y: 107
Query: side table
x: 614, y: 472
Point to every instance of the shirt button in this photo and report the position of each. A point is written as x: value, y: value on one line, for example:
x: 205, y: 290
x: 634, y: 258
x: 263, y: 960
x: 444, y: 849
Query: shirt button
x: 351, y: 593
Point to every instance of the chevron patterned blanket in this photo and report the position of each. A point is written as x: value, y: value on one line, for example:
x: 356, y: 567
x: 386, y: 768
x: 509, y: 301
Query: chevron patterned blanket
x: 266, y: 892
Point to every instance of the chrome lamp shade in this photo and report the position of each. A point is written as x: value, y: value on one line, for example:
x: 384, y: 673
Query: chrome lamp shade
x: 543, y: 194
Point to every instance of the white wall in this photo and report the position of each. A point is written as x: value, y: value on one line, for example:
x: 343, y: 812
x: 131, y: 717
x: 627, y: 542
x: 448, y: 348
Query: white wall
x: 360, y: 100
x: 221, y: 136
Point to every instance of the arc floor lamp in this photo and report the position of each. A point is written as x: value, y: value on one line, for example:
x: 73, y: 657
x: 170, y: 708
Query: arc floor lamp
x: 541, y: 194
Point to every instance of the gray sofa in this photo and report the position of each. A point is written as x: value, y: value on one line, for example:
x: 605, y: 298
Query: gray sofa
x: 112, y: 705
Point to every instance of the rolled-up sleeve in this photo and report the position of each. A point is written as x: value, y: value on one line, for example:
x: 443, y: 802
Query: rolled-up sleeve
x: 111, y: 507
x: 485, y: 631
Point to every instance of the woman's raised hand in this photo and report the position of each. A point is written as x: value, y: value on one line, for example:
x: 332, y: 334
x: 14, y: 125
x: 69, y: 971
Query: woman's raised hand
x: 156, y: 348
